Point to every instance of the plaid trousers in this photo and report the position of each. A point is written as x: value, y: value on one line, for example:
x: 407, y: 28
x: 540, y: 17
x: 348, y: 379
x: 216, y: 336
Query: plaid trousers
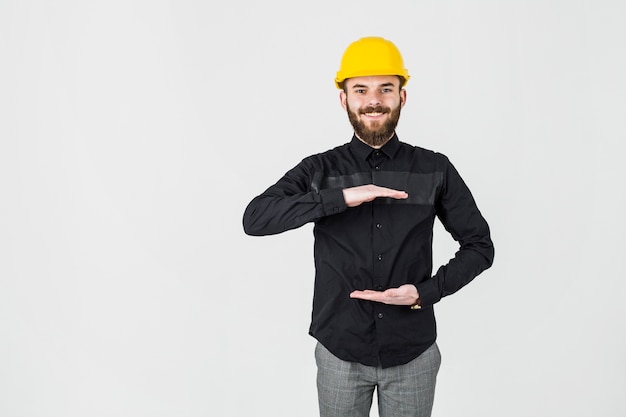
x: 346, y: 389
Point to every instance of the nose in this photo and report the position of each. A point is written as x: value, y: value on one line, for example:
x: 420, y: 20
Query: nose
x: 373, y: 98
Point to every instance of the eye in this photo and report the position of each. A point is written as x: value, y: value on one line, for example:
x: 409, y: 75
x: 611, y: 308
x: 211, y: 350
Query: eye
x: 360, y: 91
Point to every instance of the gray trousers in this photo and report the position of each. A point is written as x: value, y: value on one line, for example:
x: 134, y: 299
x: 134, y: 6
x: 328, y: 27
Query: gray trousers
x: 346, y: 389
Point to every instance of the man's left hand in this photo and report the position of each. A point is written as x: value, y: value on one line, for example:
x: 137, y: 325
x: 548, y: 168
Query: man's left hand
x: 405, y: 295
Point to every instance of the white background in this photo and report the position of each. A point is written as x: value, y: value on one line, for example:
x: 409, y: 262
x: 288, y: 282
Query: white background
x: 133, y: 134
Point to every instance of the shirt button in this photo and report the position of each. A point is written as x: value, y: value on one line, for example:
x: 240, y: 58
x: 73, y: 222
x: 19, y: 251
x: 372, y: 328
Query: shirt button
x: 380, y: 257
x: 378, y: 225
x: 377, y: 167
x: 380, y: 315
x: 379, y: 287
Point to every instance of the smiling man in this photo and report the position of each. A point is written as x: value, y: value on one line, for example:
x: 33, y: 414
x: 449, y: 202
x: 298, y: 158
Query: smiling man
x: 373, y: 107
x: 374, y: 201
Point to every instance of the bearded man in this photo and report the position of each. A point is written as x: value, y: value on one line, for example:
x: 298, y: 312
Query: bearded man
x: 373, y: 202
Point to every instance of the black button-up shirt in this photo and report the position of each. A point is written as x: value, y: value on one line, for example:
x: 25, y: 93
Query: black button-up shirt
x: 378, y: 245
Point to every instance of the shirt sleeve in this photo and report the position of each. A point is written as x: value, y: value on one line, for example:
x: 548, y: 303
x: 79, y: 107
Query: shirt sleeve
x: 459, y: 214
x: 291, y: 203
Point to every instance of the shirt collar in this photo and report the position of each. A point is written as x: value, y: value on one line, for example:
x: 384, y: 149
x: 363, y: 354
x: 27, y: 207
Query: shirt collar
x: 363, y: 150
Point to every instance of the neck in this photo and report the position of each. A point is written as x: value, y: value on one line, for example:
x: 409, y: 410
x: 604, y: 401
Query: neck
x: 375, y: 146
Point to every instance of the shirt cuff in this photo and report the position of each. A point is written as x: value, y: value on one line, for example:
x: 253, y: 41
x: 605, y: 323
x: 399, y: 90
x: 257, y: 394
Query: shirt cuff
x: 428, y: 292
x: 333, y: 201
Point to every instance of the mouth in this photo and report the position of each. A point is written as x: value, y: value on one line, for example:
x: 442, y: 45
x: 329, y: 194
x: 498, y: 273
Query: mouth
x: 373, y: 114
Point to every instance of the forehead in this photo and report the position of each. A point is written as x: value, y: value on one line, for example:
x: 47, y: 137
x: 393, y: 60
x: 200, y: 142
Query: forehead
x: 373, y: 81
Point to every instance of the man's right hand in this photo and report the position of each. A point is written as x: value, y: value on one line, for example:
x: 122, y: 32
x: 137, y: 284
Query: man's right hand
x: 356, y: 196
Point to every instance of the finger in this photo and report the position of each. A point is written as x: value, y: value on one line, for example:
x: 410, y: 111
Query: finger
x: 367, y: 295
x: 397, y: 194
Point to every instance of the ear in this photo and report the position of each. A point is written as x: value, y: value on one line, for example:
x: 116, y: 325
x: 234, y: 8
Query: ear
x: 343, y: 99
x: 402, y: 97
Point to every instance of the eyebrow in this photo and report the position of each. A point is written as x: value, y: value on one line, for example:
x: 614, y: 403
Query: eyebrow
x: 389, y: 84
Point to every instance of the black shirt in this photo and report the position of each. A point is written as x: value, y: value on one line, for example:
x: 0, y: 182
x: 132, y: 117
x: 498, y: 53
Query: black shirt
x: 378, y: 245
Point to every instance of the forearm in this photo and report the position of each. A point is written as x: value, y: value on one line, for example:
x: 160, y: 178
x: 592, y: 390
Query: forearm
x: 271, y: 213
x: 467, y: 264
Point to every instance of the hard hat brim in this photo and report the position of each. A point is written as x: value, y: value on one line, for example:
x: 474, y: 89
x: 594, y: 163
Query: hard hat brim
x: 341, y: 78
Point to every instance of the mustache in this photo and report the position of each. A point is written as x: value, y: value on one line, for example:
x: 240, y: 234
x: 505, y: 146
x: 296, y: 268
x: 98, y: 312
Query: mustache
x: 376, y: 109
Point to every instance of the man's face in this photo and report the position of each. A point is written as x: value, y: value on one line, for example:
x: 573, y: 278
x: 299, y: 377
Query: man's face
x: 373, y: 105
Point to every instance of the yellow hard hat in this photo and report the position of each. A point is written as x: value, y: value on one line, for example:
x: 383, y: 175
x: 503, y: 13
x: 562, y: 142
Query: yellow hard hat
x: 371, y: 56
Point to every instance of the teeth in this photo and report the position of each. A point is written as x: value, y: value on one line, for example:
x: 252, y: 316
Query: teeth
x: 373, y: 114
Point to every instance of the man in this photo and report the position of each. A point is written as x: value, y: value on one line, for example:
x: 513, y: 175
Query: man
x: 374, y: 201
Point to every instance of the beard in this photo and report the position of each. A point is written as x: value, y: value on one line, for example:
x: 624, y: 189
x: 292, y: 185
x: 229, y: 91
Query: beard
x: 379, y: 133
